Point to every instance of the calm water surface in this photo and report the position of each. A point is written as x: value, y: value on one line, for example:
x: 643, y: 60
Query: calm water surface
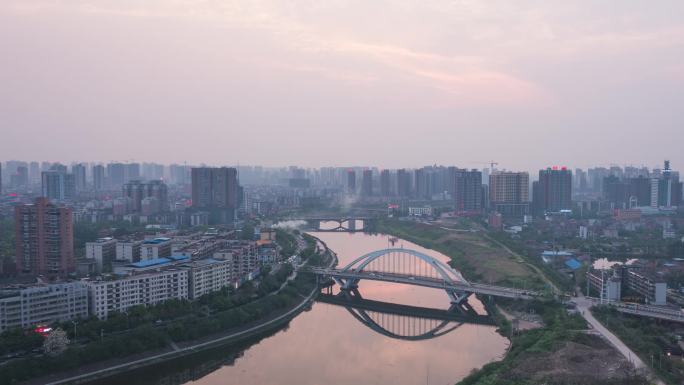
x: 327, y: 345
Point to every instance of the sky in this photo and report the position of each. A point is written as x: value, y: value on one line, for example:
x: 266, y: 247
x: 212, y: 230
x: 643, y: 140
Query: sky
x: 400, y: 83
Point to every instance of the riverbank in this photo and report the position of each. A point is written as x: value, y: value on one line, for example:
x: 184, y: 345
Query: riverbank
x: 479, y: 259
x: 271, y: 319
x: 212, y: 342
x: 562, y: 351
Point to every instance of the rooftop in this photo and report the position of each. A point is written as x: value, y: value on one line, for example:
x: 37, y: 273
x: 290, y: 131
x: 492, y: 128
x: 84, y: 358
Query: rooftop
x: 151, y: 262
x: 156, y: 241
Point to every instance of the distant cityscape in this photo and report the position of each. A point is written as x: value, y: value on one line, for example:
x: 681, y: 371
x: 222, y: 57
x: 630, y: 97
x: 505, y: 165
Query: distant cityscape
x: 180, y: 232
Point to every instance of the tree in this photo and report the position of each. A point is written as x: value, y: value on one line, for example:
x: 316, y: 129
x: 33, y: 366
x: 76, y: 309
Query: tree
x: 55, y: 343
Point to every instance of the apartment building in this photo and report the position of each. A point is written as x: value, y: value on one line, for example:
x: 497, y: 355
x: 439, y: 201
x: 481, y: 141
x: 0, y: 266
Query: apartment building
x: 128, y: 250
x: 102, y: 251
x: 208, y: 275
x: 44, y: 238
x: 655, y: 292
x: 146, y: 289
x: 155, y: 248
x: 244, y: 260
x: 24, y: 307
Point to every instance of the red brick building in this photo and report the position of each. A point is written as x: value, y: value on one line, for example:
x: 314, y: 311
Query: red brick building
x: 44, y: 239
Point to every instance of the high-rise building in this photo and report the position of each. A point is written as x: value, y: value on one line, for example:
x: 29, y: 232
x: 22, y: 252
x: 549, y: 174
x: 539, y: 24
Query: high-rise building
x: 669, y: 188
x: 158, y: 190
x: 640, y: 188
x: 468, y: 191
x: 553, y: 191
x: 367, y: 183
x: 58, y: 185
x: 98, y: 177
x: 509, y: 193
x: 34, y: 173
x: 216, y: 189
x: 403, y: 183
x: 44, y: 238
x: 178, y: 174
x: 20, y: 179
x: 351, y: 181
x: 133, y: 190
x: 131, y: 172
x: 58, y: 167
x: 79, y: 172
x: 385, y: 183
x: 138, y: 191
x: 116, y: 174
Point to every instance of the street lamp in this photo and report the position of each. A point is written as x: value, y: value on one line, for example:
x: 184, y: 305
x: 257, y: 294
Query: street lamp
x: 75, y: 323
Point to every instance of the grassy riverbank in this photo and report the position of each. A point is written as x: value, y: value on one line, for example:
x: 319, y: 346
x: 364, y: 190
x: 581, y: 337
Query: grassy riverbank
x: 477, y: 258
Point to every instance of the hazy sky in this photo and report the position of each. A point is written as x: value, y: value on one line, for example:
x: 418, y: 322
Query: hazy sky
x: 387, y: 83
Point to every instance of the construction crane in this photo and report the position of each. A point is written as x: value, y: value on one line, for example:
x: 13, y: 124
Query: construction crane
x: 491, y: 164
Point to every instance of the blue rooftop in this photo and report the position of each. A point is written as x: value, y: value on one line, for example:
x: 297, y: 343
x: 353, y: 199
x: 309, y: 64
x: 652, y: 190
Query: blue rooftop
x: 156, y: 241
x: 573, y: 264
x: 151, y: 262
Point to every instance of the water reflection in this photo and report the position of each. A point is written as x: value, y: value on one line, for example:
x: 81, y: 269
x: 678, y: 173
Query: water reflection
x: 403, y: 322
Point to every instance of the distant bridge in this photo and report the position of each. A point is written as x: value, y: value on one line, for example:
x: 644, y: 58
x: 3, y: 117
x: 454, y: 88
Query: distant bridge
x: 402, y: 322
x: 342, y: 223
x: 412, y: 267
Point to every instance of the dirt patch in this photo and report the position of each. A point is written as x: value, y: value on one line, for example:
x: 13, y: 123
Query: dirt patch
x: 590, y: 360
x: 522, y: 321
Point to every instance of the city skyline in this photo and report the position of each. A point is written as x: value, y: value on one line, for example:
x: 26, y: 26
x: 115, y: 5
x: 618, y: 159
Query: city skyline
x: 264, y: 83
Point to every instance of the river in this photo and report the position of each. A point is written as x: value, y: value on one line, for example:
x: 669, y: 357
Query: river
x: 327, y: 345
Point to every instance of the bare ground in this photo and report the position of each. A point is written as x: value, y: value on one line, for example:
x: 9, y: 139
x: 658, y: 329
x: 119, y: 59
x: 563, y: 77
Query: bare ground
x: 591, y: 361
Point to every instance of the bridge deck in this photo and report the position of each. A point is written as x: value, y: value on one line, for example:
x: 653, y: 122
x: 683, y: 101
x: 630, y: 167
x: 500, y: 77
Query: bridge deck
x: 650, y: 311
x: 476, y: 288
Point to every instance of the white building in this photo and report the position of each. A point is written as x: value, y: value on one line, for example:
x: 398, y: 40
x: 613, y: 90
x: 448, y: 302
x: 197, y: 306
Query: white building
x: 207, y: 276
x: 155, y: 248
x: 420, y: 211
x: 103, y: 251
x: 128, y: 251
x: 244, y: 260
x: 583, y: 232
x: 26, y: 307
x: 144, y: 289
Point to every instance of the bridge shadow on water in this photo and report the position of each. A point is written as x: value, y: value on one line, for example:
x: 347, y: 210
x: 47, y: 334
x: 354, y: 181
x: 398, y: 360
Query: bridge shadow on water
x: 404, y: 322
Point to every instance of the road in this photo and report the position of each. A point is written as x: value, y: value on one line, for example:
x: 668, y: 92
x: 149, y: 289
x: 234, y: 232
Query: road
x: 583, y: 306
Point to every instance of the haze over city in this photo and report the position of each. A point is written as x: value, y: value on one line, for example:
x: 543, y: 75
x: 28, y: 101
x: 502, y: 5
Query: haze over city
x: 341, y: 192
x: 528, y: 83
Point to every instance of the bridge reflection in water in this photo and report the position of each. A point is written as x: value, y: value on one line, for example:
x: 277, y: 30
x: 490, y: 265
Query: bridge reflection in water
x: 404, y: 322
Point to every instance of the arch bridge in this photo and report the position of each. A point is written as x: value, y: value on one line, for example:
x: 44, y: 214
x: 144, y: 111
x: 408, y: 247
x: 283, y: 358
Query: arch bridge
x: 411, y: 267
